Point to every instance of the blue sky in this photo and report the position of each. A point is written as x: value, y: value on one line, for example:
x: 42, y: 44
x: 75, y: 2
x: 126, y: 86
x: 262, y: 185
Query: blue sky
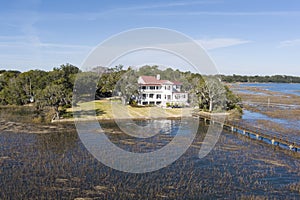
x: 241, y: 36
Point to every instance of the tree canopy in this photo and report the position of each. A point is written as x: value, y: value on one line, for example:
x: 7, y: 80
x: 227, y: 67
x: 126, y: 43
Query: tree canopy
x: 54, y: 88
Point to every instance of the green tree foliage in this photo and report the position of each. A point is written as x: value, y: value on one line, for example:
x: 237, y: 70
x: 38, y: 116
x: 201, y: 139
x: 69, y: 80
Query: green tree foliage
x: 54, y: 89
x: 85, y: 87
x: 64, y: 75
x: 149, y: 70
x: 54, y: 96
x: 13, y: 93
x: 48, y: 89
x: 232, y: 101
x: 58, y: 93
x: 210, y: 93
x: 5, y: 77
x: 127, y: 86
x: 108, y: 80
x: 215, y: 93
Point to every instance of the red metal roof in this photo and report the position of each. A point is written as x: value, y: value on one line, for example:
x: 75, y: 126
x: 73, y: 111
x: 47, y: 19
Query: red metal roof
x: 177, y: 83
x: 152, y: 80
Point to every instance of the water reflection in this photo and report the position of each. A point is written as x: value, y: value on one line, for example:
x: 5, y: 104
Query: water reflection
x: 57, y: 166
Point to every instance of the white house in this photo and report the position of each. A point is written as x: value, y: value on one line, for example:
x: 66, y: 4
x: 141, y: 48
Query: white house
x: 153, y: 91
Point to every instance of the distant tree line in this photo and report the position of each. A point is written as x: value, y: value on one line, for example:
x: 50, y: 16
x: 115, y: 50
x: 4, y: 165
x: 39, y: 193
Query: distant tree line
x: 259, y: 79
x: 54, y: 89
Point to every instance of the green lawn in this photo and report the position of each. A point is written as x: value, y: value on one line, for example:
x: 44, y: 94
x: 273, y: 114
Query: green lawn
x: 106, y: 109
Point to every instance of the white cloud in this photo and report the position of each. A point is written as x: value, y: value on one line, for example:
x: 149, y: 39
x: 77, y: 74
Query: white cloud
x: 58, y: 45
x: 290, y: 43
x: 222, y: 13
x: 216, y: 43
x: 11, y: 37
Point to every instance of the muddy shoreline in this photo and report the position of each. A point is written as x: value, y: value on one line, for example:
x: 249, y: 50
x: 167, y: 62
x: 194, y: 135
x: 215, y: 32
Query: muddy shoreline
x: 38, y: 128
x: 58, y: 125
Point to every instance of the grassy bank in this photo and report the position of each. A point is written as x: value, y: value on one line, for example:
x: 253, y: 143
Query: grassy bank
x: 17, y: 113
x: 26, y: 114
x: 107, y: 109
x: 100, y: 109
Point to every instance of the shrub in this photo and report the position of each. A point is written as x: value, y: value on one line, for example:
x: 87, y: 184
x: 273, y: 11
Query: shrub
x: 133, y: 102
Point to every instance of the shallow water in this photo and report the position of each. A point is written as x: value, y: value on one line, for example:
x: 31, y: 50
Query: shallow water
x: 57, y: 165
x: 286, y: 88
x: 239, y: 90
x: 287, y: 123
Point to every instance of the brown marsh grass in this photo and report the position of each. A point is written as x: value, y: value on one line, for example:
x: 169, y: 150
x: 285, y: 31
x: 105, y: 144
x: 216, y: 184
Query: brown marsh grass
x: 273, y: 126
x: 57, y: 166
x: 272, y: 104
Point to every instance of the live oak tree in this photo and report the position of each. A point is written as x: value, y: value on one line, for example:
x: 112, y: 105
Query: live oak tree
x: 127, y: 86
x: 54, y: 89
x: 54, y: 96
x: 108, y: 80
x: 211, y: 95
x: 58, y: 93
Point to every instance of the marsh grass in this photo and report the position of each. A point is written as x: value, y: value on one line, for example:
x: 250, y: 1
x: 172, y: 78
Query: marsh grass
x: 57, y: 166
x: 294, y: 187
x: 273, y: 126
x: 18, y: 113
x: 275, y: 105
x: 276, y: 112
x: 26, y: 114
x: 274, y: 97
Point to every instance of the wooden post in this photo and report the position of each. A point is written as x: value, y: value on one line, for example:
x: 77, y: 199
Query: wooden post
x: 272, y: 141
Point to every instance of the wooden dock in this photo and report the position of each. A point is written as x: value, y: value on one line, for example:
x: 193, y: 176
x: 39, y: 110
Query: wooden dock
x: 270, y: 137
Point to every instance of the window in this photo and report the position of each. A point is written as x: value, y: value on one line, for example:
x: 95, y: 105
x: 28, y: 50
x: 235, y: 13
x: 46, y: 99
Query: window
x: 152, y: 87
x: 151, y: 96
x: 143, y: 87
x: 158, y: 96
x: 169, y: 97
x: 144, y: 96
x: 183, y: 96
